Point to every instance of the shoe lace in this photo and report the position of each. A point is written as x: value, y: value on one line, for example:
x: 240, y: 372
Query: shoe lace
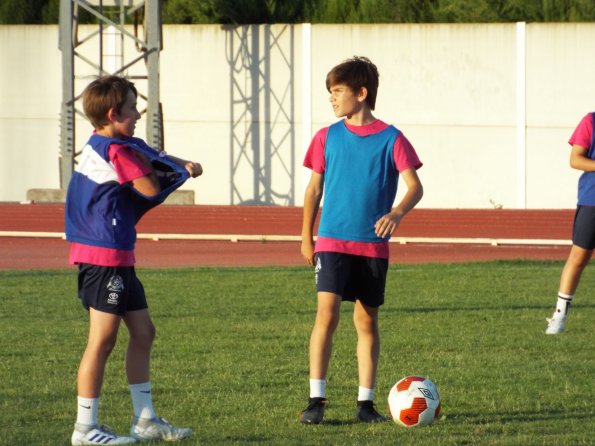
x: 317, y: 403
x: 166, y: 423
x: 107, y: 430
x: 374, y: 411
x: 370, y: 407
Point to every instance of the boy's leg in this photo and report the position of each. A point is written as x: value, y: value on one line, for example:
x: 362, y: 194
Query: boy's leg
x: 145, y: 425
x: 138, y: 356
x: 103, y: 332
x: 321, y: 339
x: 577, y: 260
x: 365, y: 319
x: 138, y: 359
x: 321, y: 344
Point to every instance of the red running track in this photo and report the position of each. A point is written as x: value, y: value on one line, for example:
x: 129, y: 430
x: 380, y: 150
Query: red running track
x: 43, y: 253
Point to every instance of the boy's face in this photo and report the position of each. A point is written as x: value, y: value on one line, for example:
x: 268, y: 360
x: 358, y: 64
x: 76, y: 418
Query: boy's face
x: 124, y: 121
x: 345, y: 101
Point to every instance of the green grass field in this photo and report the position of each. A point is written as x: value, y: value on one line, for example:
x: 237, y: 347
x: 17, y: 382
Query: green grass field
x: 231, y: 358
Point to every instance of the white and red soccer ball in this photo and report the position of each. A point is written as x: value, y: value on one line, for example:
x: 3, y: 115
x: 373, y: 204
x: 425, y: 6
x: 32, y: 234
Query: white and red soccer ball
x: 414, y: 401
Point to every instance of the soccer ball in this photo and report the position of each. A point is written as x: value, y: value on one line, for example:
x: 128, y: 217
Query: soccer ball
x: 414, y: 401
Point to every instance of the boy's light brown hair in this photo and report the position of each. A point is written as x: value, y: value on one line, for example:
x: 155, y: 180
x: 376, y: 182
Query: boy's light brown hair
x: 356, y: 73
x: 105, y: 93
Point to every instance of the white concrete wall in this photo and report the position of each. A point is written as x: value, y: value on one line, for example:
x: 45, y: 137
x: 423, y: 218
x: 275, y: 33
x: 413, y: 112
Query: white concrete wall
x: 452, y: 89
x: 30, y: 83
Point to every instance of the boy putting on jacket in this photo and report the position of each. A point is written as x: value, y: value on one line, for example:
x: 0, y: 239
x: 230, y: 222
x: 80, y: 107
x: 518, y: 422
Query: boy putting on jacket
x: 117, y: 179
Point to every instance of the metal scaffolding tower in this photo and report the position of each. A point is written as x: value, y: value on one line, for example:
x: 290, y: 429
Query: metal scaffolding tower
x: 262, y: 146
x: 116, y: 28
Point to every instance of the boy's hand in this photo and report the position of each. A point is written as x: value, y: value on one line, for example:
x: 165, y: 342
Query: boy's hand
x: 194, y: 169
x: 388, y: 224
x: 308, y: 251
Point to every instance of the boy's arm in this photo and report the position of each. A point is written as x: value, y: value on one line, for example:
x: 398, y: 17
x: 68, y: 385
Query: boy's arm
x: 193, y: 168
x: 312, y: 199
x: 579, y: 159
x: 135, y: 168
x: 147, y: 185
x: 387, y: 224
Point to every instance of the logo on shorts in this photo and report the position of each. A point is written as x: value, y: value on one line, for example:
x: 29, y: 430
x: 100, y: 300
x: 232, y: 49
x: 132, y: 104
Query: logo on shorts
x: 317, y: 269
x: 116, y: 284
x: 113, y: 298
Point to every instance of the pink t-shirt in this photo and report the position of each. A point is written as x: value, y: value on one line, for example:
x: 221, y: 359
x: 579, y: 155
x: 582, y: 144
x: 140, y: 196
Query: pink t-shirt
x: 583, y: 132
x: 128, y: 168
x: 405, y: 158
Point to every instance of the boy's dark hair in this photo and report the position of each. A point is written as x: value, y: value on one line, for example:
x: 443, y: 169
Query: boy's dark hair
x: 356, y: 73
x: 105, y: 93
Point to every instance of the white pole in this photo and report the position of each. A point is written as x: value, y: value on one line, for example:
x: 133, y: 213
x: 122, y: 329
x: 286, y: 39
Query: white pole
x: 521, y: 115
x: 306, y: 97
x: 234, y: 238
x: 110, y: 52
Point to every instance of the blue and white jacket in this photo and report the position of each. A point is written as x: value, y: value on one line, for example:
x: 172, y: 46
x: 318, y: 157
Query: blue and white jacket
x: 102, y: 212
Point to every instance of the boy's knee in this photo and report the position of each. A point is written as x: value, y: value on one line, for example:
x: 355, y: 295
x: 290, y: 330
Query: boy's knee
x: 326, y: 326
x: 327, y: 317
x: 146, y: 335
x: 104, y: 346
x: 151, y: 333
x: 580, y: 260
x: 365, y: 322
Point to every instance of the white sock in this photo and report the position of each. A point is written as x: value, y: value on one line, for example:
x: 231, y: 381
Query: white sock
x: 365, y: 394
x: 563, y: 303
x: 142, y: 401
x: 87, y: 411
x: 317, y: 388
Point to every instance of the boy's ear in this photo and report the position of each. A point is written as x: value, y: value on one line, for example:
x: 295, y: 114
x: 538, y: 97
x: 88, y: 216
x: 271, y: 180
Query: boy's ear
x: 112, y: 115
x: 362, y: 94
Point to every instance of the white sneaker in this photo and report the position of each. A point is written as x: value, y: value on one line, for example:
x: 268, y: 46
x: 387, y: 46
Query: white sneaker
x: 97, y: 435
x: 157, y: 429
x: 555, y: 324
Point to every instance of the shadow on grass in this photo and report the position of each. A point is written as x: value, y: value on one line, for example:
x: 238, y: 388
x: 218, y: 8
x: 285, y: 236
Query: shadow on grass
x: 248, y: 439
x: 521, y: 416
x: 336, y: 422
x: 330, y: 422
x: 546, y: 307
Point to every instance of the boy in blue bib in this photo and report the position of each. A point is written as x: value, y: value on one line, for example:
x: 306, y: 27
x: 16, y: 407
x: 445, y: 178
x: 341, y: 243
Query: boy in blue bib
x: 357, y: 163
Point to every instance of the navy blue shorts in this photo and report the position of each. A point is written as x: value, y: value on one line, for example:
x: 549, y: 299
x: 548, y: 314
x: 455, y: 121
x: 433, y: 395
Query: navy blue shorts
x: 583, y: 230
x: 352, y: 277
x: 110, y: 289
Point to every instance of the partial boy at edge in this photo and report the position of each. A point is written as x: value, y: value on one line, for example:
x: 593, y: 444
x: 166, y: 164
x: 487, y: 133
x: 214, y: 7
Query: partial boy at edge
x: 582, y: 157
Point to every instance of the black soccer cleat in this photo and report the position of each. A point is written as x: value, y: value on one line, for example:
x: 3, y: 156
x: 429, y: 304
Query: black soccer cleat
x: 366, y: 413
x: 314, y: 413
